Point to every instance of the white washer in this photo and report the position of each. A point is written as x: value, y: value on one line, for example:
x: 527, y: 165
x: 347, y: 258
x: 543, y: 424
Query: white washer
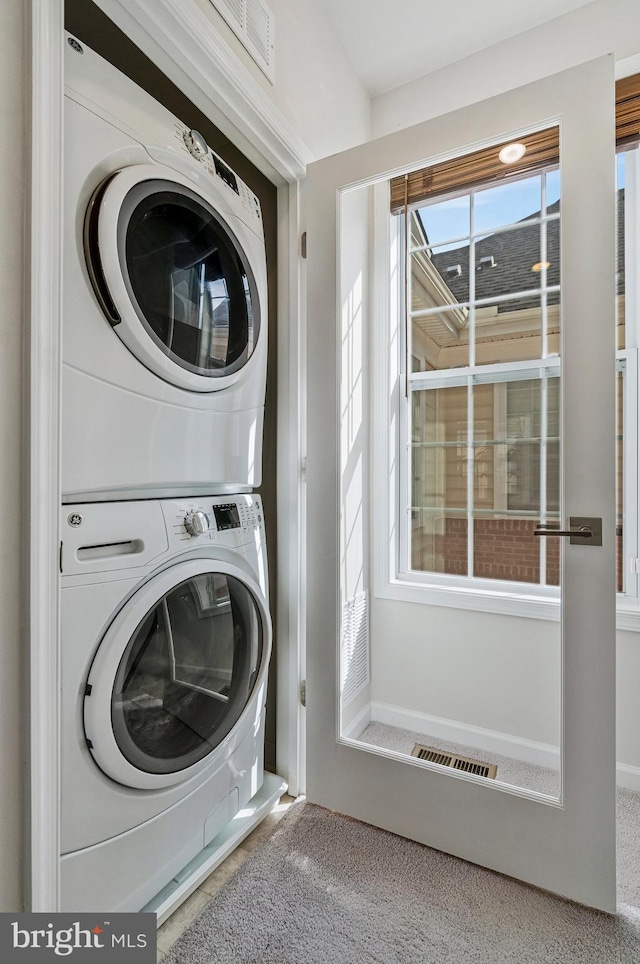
x: 164, y: 301
x: 166, y: 638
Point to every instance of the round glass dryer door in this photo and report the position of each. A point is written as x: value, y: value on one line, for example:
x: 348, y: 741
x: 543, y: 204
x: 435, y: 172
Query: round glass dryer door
x: 173, y: 278
x: 163, y: 698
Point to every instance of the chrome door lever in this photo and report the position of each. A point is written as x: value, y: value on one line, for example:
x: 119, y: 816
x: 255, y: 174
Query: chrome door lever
x: 581, y: 531
x: 584, y: 532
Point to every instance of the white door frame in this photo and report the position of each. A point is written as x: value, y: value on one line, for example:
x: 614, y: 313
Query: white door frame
x: 173, y: 33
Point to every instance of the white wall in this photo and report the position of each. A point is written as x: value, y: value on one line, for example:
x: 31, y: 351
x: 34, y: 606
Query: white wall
x: 316, y: 88
x: 601, y: 27
x: 628, y: 697
x: 13, y: 183
x: 497, y: 672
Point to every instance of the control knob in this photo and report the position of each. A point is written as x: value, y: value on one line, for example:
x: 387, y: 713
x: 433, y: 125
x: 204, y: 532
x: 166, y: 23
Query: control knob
x: 196, y: 523
x: 196, y: 144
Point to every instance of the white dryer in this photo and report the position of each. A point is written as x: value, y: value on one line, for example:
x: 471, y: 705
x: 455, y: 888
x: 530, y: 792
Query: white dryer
x: 166, y: 638
x: 164, y: 301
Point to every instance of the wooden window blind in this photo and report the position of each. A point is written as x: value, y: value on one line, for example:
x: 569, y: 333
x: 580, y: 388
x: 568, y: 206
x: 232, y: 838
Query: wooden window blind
x: 628, y: 110
x: 482, y: 167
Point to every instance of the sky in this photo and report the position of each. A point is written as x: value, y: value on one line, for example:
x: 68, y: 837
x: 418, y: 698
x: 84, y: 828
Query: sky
x: 494, y: 207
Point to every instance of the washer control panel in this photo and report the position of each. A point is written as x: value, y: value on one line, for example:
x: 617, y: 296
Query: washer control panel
x: 226, y: 520
x: 196, y: 523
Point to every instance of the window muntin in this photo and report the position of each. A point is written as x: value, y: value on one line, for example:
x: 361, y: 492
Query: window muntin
x: 485, y: 450
x: 472, y: 332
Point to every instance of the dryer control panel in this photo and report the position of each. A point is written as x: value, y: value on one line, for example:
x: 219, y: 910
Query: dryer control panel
x: 194, y: 143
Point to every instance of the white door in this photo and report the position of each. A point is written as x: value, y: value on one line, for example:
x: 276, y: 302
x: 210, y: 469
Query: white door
x: 564, y: 841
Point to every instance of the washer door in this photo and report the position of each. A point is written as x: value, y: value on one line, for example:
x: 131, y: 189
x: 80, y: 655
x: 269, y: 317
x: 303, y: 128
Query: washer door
x: 176, y: 672
x: 172, y: 277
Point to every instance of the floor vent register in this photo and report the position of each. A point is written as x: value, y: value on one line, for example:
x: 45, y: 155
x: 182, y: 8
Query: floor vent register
x: 466, y: 764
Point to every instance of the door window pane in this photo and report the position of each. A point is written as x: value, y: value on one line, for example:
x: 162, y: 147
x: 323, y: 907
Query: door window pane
x: 620, y: 398
x: 507, y: 203
x: 439, y: 541
x: 506, y: 262
x: 513, y: 444
x: 512, y: 330
x: 626, y: 167
x: 444, y: 221
x: 439, y: 448
x: 485, y: 455
x: 490, y: 295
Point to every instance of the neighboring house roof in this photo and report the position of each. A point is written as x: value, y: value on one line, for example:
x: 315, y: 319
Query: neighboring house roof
x: 513, y: 254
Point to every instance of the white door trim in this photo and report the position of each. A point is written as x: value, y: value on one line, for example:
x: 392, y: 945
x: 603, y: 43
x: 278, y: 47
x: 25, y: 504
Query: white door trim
x: 172, y: 33
x: 184, y: 43
x: 43, y: 340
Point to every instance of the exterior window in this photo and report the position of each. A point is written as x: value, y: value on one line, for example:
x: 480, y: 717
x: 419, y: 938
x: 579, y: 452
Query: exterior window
x: 481, y: 414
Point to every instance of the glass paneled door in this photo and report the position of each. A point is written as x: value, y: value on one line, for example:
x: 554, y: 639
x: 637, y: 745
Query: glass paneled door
x: 442, y: 474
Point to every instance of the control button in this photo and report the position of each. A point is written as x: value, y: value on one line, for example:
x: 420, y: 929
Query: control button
x: 196, y: 144
x: 196, y: 523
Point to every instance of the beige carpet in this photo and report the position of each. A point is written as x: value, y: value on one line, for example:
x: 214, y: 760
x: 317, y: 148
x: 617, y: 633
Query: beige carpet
x: 542, y: 780
x: 325, y: 889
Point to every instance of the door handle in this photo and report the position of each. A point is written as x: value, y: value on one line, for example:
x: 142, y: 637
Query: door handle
x: 585, y: 531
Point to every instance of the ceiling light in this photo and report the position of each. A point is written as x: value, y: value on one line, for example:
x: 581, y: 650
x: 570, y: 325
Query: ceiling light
x: 512, y: 153
x: 540, y: 265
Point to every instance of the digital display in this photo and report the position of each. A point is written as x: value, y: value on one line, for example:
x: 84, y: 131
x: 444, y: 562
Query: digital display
x: 227, y: 176
x: 227, y: 516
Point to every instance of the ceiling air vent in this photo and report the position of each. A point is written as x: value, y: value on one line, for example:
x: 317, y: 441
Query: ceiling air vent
x: 445, y: 759
x: 252, y: 22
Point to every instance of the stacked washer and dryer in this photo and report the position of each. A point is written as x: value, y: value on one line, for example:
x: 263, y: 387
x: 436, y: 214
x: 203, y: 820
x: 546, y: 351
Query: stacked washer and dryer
x: 165, y: 626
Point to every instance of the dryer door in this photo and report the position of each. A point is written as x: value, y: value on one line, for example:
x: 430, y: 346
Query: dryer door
x: 182, y: 665
x: 173, y: 278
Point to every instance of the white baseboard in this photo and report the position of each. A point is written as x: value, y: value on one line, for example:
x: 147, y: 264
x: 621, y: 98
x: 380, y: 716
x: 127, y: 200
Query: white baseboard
x: 540, y: 754
x: 353, y: 729
x: 528, y: 751
x: 628, y: 777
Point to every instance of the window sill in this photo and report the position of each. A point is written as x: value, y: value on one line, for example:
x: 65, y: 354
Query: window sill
x: 531, y: 606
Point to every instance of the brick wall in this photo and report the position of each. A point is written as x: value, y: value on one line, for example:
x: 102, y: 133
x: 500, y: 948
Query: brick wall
x: 503, y: 549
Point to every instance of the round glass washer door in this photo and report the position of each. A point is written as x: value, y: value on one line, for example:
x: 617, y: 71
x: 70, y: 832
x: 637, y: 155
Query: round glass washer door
x: 181, y: 666
x: 172, y: 278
